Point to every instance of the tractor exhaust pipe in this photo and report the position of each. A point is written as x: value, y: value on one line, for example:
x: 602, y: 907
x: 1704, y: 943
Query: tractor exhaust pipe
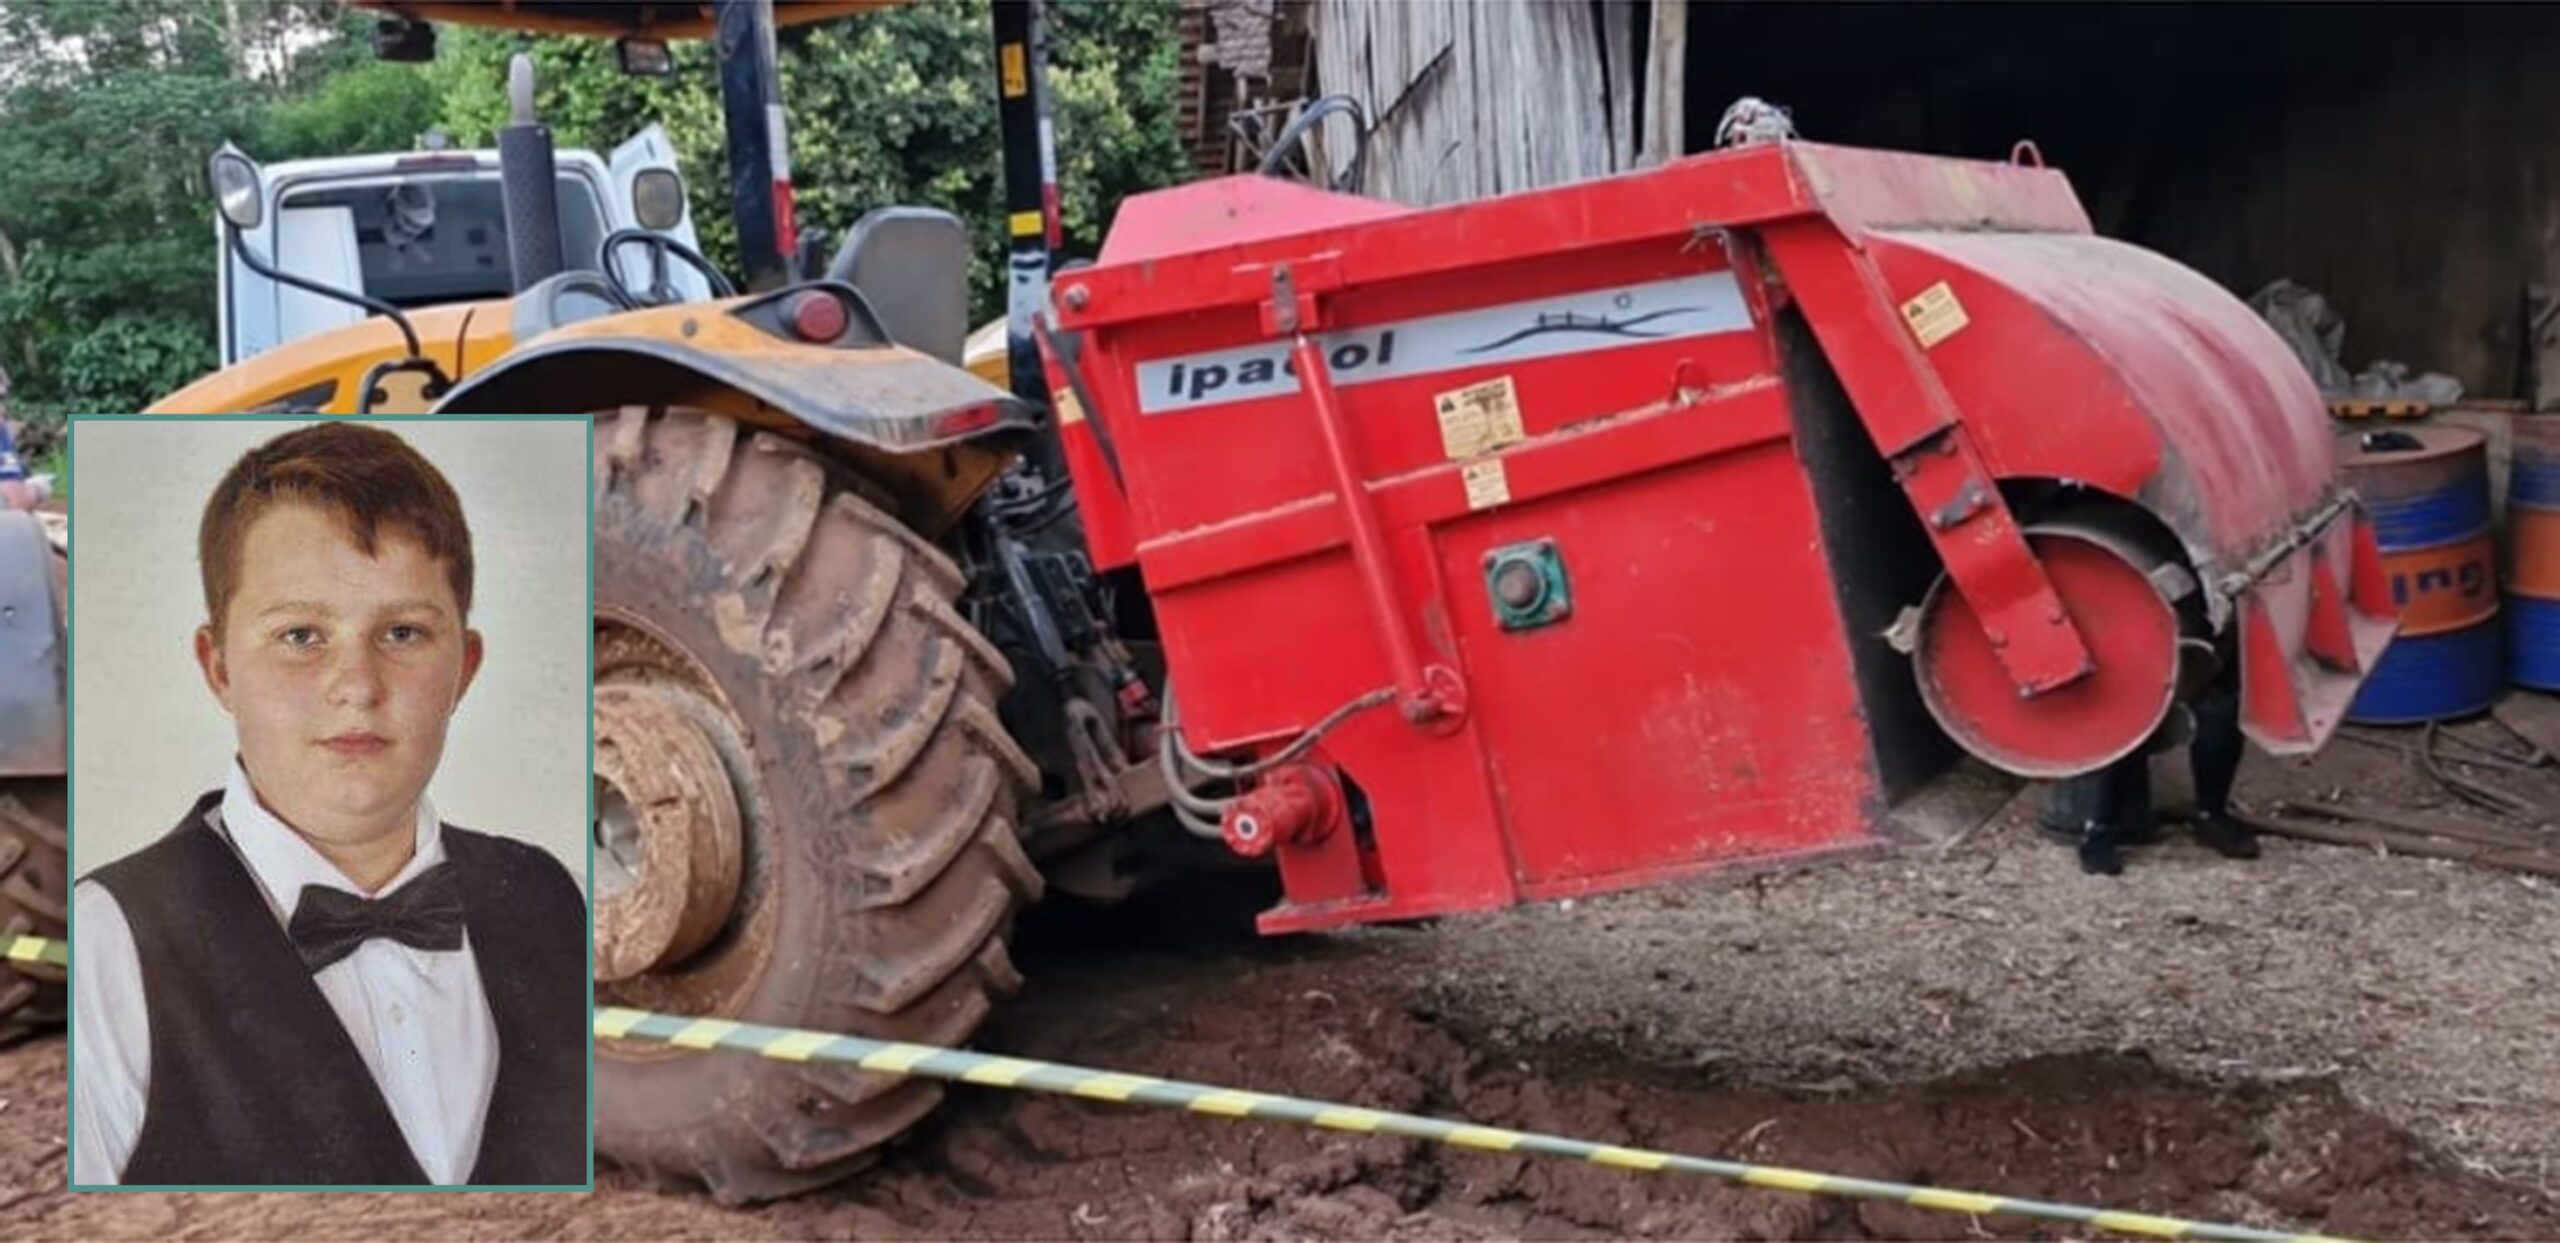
x: 529, y: 178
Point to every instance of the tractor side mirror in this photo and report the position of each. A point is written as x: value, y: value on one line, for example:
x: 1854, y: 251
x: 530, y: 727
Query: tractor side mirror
x: 657, y: 198
x: 241, y: 197
x: 238, y: 191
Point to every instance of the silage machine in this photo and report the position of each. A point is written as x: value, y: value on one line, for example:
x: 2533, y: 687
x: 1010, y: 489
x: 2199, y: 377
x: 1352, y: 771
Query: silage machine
x: 1687, y: 517
x: 1441, y: 559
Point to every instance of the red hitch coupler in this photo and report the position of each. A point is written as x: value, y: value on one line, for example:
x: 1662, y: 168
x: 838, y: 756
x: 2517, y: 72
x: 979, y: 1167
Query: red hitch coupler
x: 1295, y: 803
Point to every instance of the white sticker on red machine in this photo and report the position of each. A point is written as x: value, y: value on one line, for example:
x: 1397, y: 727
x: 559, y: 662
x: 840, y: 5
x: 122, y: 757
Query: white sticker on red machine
x: 1594, y: 319
x: 1935, y: 314
x: 1488, y: 483
x: 1479, y: 418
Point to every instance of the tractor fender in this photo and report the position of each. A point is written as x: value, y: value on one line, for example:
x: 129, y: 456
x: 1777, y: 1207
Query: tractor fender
x: 32, y: 721
x: 869, y: 391
x: 928, y: 432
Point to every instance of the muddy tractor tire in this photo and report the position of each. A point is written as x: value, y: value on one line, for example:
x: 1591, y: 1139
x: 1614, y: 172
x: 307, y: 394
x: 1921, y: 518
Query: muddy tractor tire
x: 807, y: 807
x: 34, y: 900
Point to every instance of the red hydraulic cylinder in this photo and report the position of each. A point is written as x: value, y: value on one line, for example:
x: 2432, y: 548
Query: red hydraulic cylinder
x: 1421, y: 700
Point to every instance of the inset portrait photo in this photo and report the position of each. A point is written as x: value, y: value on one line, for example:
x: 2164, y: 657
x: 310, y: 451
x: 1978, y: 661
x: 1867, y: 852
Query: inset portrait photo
x: 329, y: 797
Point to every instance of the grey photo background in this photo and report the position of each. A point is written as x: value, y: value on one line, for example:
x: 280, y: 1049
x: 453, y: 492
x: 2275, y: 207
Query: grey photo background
x: 146, y: 735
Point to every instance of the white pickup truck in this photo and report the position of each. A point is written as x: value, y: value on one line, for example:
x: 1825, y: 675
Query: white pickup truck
x: 421, y: 228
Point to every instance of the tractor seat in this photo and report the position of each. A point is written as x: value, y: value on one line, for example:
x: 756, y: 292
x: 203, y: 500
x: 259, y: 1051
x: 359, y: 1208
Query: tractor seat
x: 912, y: 266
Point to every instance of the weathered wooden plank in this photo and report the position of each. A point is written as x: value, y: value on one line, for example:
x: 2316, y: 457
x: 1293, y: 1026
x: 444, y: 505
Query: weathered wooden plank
x: 1666, y: 84
x: 1619, y: 59
x: 1471, y: 100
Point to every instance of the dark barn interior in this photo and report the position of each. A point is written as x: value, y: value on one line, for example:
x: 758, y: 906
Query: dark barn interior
x: 2404, y: 160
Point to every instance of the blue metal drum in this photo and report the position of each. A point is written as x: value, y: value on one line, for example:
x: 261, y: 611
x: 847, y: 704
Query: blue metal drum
x: 2533, y: 579
x: 2428, y: 491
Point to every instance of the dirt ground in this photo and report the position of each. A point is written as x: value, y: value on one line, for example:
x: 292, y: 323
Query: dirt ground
x: 2326, y: 1039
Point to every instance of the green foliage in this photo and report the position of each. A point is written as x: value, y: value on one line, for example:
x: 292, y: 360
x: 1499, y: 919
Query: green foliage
x: 107, y: 109
x: 103, y: 236
x: 893, y: 107
x: 55, y: 460
x: 1112, y: 81
x: 134, y: 352
x: 372, y: 106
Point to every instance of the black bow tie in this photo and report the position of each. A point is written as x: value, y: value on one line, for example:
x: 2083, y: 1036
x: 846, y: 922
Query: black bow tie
x: 329, y: 924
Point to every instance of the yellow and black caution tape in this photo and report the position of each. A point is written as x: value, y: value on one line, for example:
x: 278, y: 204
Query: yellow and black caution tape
x: 889, y: 1057
x: 39, y: 949
x: 1017, y: 1073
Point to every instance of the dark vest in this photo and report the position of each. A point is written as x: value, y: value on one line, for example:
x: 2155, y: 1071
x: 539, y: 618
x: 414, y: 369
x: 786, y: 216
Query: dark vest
x: 255, y: 1081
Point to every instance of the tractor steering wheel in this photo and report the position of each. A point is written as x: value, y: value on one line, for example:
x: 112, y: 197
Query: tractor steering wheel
x: 661, y: 291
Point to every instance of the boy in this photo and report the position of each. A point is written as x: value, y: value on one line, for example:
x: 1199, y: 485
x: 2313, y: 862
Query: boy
x: 310, y: 979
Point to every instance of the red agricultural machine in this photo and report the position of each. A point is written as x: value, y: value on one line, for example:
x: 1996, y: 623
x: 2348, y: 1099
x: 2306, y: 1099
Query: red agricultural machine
x: 1686, y: 518
x: 1563, y: 542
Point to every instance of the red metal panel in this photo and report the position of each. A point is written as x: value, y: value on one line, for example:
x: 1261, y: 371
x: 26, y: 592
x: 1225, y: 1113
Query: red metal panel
x: 1236, y: 248
x: 1250, y: 477
x: 1639, y: 736
x: 1101, y: 502
x: 1229, y: 231
x: 1642, y: 440
x: 1268, y: 627
x: 1866, y: 191
x: 1211, y: 213
x: 2292, y: 698
x: 2093, y: 360
x: 1265, y: 447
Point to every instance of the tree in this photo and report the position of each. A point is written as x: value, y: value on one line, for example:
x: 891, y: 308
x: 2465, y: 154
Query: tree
x: 1115, y: 73
x: 106, y: 291
x: 372, y: 106
x: 99, y: 300
x: 108, y: 108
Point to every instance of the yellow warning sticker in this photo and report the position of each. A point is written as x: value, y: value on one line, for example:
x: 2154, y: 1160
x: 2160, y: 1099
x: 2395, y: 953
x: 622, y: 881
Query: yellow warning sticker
x: 1069, y: 409
x: 1016, y: 69
x: 1934, y: 315
x: 1488, y: 484
x: 1479, y: 418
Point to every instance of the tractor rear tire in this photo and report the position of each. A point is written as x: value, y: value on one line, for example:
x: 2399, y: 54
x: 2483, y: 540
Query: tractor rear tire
x: 745, y: 581
x: 34, y: 900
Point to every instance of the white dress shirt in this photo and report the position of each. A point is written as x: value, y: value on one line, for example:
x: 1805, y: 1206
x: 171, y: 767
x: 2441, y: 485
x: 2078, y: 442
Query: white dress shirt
x: 420, y: 1018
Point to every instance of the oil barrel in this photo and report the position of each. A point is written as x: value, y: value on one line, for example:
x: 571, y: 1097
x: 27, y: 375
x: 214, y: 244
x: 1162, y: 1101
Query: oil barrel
x: 2533, y: 579
x: 2427, y: 489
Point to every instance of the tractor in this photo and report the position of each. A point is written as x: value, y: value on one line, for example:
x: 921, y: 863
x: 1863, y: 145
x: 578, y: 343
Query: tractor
x: 1587, y: 538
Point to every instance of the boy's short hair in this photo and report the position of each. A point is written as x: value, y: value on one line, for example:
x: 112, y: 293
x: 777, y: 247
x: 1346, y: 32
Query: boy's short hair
x: 364, y: 477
